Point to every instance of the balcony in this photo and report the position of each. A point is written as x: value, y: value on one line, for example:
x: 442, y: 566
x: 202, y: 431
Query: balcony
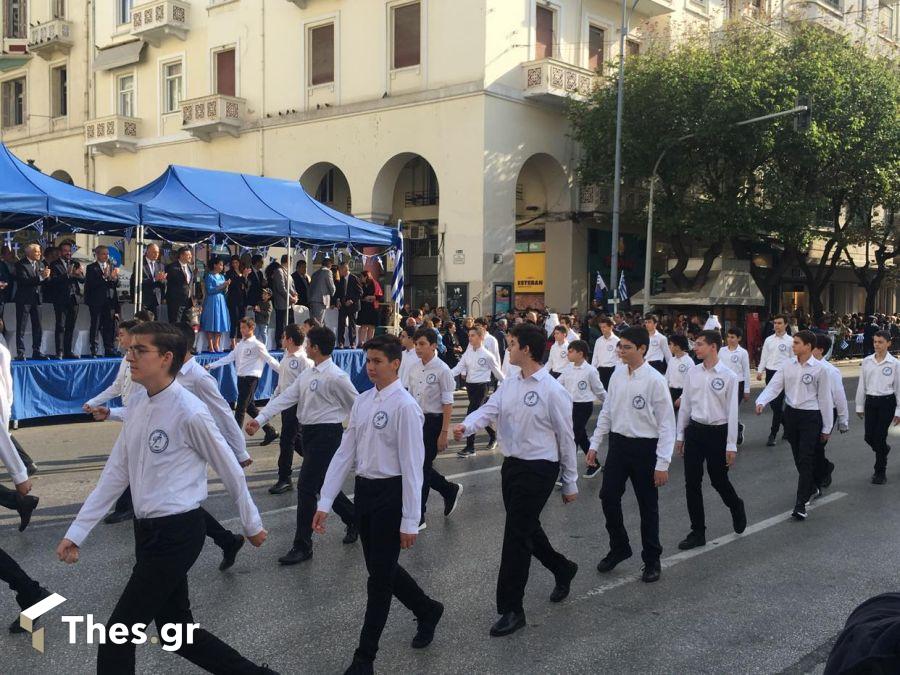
x: 213, y: 115
x: 112, y: 134
x: 826, y: 13
x: 50, y: 38
x: 154, y: 21
x: 552, y: 81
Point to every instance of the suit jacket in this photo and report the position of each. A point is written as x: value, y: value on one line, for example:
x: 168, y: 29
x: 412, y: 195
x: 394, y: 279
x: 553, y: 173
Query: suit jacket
x: 28, y: 282
x: 349, y: 288
x: 6, y: 294
x: 179, y: 289
x: 99, y: 290
x: 321, y: 287
x: 60, y: 288
x: 301, y: 286
x: 237, y: 291
x: 152, y: 291
x: 256, y: 282
x: 282, y: 286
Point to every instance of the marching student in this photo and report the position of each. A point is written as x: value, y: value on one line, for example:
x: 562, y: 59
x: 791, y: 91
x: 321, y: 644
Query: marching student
x: 508, y: 369
x: 738, y: 360
x: 559, y: 352
x: 323, y: 396
x: 293, y: 362
x: 707, y: 434
x: 823, y: 468
x: 534, y: 413
x: 167, y: 441
x: 605, y: 358
x: 384, y: 443
x: 640, y: 422
x: 432, y: 385
x: 878, y: 400
x: 571, y: 335
x: 808, y: 411
x: 476, y: 365
x: 678, y: 367
x: 250, y: 356
x: 658, y: 353
x: 582, y: 381
x: 408, y: 341
x: 776, y: 351
x: 490, y: 342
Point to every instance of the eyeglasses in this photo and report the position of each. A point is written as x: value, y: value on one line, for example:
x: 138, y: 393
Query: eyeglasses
x: 624, y: 347
x: 139, y: 351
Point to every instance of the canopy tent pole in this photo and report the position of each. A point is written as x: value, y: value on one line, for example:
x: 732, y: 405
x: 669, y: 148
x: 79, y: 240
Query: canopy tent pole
x: 287, y: 286
x: 139, y: 270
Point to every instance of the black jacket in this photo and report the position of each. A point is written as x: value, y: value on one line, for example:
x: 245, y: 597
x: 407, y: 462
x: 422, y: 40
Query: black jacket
x: 178, y: 288
x: 346, y: 289
x: 60, y: 288
x: 28, y: 282
x: 237, y: 292
x: 256, y: 282
x: 100, y: 290
x: 148, y: 285
x: 301, y: 287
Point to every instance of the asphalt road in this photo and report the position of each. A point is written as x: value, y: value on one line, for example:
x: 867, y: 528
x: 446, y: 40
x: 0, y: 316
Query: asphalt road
x: 771, y: 600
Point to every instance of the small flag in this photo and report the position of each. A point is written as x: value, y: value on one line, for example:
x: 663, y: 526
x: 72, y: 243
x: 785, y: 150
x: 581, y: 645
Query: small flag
x: 623, y: 289
x: 600, y: 289
x: 397, y: 283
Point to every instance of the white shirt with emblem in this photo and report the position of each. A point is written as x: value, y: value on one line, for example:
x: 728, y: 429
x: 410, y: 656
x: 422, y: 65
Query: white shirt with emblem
x: 162, y: 453
x: 709, y: 398
x: 491, y: 344
x: 407, y: 360
x: 638, y: 405
x: 605, y: 355
x: 383, y: 440
x: 583, y: 383
x: 839, y: 394
x: 878, y: 378
x: 8, y: 454
x: 806, y: 386
x: 323, y: 394
x: 431, y: 384
x: 290, y: 367
x: 533, y: 419
x: 677, y: 370
x: 776, y: 352
x: 250, y: 357
x: 476, y: 365
x: 658, y: 350
x: 559, y: 356
x: 738, y: 360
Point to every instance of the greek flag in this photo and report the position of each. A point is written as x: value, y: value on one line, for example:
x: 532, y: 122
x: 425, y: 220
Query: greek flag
x: 397, y: 283
x: 600, y: 289
x: 623, y: 289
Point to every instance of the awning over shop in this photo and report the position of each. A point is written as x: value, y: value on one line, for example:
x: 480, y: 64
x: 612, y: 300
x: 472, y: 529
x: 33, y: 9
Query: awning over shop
x: 119, y: 55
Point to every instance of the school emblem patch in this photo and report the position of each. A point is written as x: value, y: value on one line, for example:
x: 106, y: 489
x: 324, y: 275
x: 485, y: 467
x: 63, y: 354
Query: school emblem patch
x: 531, y: 399
x: 158, y: 441
x: 380, y: 420
x: 293, y: 364
x: 582, y: 386
x: 887, y: 370
x: 718, y: 384
x: 248, y: 351
x: 313, y: 385
x: 807, y: 379
x: 683, y: 368
x: 609, y: 348
x: 431, y: 378
x: 782, y: 347
x: 734, y: 358
x: 482, y: 361
x: 638, y: 403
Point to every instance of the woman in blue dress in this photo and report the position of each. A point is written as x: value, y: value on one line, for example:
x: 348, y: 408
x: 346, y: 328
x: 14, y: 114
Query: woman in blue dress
x: 214, y: 319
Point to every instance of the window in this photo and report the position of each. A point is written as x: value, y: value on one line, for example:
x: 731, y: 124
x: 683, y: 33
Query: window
x: 59, y: 9
x: 123, y: 11
x: 321, y: 55
x: 13, y: 101
x: 125, y: 95
x: 225, y: 73
x: 596, y: 48
x: 886, y: 21
x: 543, y: 33
x: 172, y: 86
x: 325, y: 191
x: 632, y: 48
x: 59, y: 92
x: 407, y: 31
x: 15, y: 21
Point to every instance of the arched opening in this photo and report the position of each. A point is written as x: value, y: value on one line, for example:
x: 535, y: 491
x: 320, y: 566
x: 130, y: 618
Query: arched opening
x: 116, y: 191
x: 326, y: 183
x: 62, y: 176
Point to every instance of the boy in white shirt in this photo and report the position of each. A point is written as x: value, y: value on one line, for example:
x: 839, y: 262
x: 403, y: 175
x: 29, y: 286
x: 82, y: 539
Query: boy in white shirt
x: 582, y: 381
x: 878, y: 400
x: 477, y: 364
x: 559, y: 350
x: 409, y: 357
x: 605, y: 358
x: 738, y: 360
x: 658, y: 354
x: 823, y: 468
x: 678, y: 367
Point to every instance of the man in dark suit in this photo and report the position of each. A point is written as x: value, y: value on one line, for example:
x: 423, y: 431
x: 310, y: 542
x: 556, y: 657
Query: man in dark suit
x: 153, y: 280
x: 348, y: 293
x: 102, y: 298
x: 62, y: 289
x: 6, y: 278
x: 301, y: 283
x: 30, y: 276
x: 256, y: 282
x: 180, y: 278
x: 283, y: 296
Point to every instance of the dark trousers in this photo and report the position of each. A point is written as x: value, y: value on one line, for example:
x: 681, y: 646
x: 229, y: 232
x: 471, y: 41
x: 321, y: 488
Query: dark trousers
x: 24, y: 456
x: 777, y: 406
x: 704, y: 443
x: 123, y: 503
x: 659, y: 365
x: 165, y: 550
x: 245, y: 402
x: 477, y: 393
x: 215, y: 531
x: 346, y: 321
x: 27, y: 590
x: 675, y: 393
x: 631, y: 459
x: 526, y: 486
x: 379, y: 509
x: 288, y: 443
x: 9, y: 498
x: 803, y: 428
x: 432, y: 479
x: 236, y: 311
x: 64, y: 329
x: 102, y: 317
x: 605, y: 373
x: 320, y: 442
x: 878, y: 415
x: 581, y: 413
x: 33, y: 311
x: 179, y: 311
x: 821, y: 466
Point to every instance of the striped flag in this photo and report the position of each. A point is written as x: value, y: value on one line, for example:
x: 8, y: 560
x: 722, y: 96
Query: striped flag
x: 623, y: 289
x: 397, y: 283
x: 600, y: 289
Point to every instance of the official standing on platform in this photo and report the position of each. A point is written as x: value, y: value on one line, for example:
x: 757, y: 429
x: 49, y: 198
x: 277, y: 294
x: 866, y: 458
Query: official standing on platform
x: 605, y: 358
x: 323, y: 396
x: 707, y: 434
x: 167, y: 440
x: 348, y: 293
x: 640, y: 422
x: 321, y: 289
x: 431, y: 384
x: 808, y: 412
x: 476, y: 365
x: 582, y: 381
x: 63, y: 289
x: 181, y: 278
x: 153, y: 283
x: 823, y: 468
x: 384, y: 443
x: 31, y: 274
x: 738, y: 360
x: 777, y: 350
x: 658, y: 353
x: 878, y: 400
x: 678, y: 367
x: 534, y: 415
x: 101, y: 295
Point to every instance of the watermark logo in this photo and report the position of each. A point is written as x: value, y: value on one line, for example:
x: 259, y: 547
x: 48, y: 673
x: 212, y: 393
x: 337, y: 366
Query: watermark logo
x: 28, y: 616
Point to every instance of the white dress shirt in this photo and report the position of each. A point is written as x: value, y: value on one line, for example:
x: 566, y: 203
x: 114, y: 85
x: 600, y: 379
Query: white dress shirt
x: 6, y: 384
x: 383, y: 440
x: 571, y: 336
x: 806, y: 386
x: 582, y: 382
x: 407, y: 359
x: 738, y: 360
x: 431, y: 385
x: 250, y: 356
x: 638, y: 405
x: 162, y: 454
x: 559, y: 356
x: 491, y: 344
x: 508, y: 369
x: 709, y: 398
x: 551, y: 322
x: 290, y: 367
x: 776, y: 352
x: 533, y: 419
x: 839, y: 394
x: 712, y: 323
x: 323, y: 394
x: 8, y: 454
x: 605, y: 355
x: 878, y: 378
x: 677, y: 370
x: 658, y: 350
x: 122, y: 386
x: 477, y: 365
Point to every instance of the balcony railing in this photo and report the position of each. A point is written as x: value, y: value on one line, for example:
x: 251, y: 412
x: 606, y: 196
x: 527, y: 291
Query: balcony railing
x: 154, y: 21
x: 112, y: 134
x: 423, y: 198
x: 554, y: 81
x: 212, y: 115
x: 50, y: 38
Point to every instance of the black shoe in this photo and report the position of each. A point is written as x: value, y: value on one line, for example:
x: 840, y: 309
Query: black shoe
x: 814, y: 496
x: 20, y: 356
x: 612, y: 559
x: 739, y: 518
x: 37, y: 356
x: 592, y: 471
x: 651, y: 572
x: 693, y: 540
x: 508, y: 624
x: 70, y: 356
x: 112, y: 354
x: 118, y: 517
x: 564, y: 583
x: 826, y: 481
x: 229, y: 553
x: 425, y: 631
x: 93, y: 355
x: 15, y: 628
x: 31, y: 469
x: 25, y: 505
x: 879, y: 478
x: 492, y: 445
x: 360, y: 667
x: 270, y: 436
x: 351, y: 535
x: 451, y: 503
x: 295, y: 555
x: 799, y: 512
x: 466, y: 453
x: 281, y: 487
x: 740, y: 438
x: 771, y: 442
